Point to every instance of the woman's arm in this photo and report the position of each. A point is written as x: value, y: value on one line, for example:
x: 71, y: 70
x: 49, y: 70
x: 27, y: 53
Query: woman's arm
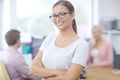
x: 108, y: 57
x: 38, y: 70
x: 72, y: 74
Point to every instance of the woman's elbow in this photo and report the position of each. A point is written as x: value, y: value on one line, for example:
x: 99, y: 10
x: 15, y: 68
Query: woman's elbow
x: 32, y: 70
x: 34, y: 73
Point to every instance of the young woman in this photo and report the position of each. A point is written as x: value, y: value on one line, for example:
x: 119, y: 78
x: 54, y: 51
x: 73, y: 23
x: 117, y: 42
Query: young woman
x: 62, y: 56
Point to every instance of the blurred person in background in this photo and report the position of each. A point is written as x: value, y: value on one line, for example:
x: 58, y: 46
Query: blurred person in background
x: 101, y: 52
x: 13, y: 60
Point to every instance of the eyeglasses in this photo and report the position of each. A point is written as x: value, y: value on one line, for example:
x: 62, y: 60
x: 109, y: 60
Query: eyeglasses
x: 60, y: 15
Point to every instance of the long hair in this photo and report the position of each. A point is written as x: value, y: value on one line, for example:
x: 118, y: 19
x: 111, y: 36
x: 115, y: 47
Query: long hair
x: 70, y: 7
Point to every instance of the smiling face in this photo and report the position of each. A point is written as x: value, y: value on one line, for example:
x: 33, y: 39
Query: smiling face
x: 64, y: 18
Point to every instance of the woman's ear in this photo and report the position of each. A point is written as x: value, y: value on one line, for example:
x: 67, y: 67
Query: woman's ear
x: 73, y: 15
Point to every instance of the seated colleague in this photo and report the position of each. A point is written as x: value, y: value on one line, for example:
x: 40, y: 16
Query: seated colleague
x: 13, y: 60
x: 101, y: 53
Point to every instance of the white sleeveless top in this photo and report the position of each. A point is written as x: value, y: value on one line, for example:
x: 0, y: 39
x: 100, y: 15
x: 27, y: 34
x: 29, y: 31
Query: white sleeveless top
x: 94, y: 53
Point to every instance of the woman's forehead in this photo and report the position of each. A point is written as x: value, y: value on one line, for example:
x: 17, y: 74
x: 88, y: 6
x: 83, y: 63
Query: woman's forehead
x: 59, y: 8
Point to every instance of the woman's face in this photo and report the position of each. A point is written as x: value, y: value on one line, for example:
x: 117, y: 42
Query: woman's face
x: 96, y: 34
x: 62, y: 17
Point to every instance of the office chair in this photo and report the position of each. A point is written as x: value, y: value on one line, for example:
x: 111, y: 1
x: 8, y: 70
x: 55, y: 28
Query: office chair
x: 3, y: 72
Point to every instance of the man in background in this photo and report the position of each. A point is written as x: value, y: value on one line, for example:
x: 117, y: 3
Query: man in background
x: 13, y: 60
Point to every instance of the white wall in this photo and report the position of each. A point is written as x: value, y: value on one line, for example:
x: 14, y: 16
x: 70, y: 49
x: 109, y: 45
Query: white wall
x: 95, y: 12
x: 109, y: 8
x: 1, y: 12
x: 6, y: 20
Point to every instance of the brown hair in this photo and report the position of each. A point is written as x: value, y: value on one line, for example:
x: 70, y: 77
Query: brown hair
x: 12, y: 36
x: 70, y: 8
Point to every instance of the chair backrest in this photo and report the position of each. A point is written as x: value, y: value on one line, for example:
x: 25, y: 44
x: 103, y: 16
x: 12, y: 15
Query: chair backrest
x: 3, y: 72
x: 116, y: 49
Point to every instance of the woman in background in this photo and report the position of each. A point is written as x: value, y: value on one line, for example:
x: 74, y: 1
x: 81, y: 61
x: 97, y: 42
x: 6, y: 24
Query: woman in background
x: 62, y: 56
x: 101, y: 53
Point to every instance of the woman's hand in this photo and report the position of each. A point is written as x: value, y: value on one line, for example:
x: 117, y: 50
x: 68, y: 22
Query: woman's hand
x: 56, y: 78
x: 91, y: 65
x: 60, y: 72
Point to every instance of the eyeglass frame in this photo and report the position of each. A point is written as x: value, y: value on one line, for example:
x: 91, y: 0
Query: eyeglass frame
x: 54, y: 16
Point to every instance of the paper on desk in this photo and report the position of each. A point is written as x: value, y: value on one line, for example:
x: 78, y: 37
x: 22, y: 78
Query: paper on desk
x: 116, y: 72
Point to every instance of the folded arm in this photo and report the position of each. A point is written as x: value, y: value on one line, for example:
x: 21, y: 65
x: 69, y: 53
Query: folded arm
x: 73, y: 73
x: 38, y: 70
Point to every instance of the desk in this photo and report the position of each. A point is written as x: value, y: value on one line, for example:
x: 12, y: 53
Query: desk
x: 99, y: 73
